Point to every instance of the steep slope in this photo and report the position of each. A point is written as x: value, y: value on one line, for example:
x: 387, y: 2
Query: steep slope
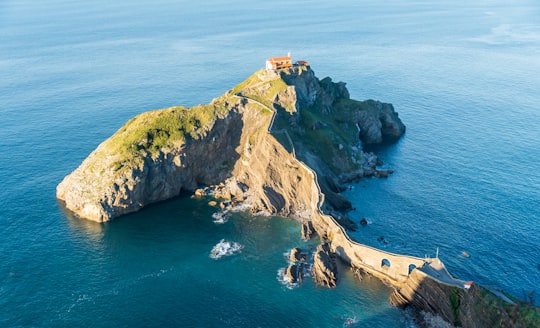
x: 158, y: 154
x: 473, y: 307
x: 250, y: 146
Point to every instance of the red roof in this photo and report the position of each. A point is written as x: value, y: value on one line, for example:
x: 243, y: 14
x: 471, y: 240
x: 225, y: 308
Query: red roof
x: 279, y: 59
x: 279, y: 62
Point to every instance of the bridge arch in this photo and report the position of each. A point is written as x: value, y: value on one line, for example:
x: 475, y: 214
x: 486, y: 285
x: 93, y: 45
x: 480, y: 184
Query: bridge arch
x: 411, y: 268
x: 385, y: 263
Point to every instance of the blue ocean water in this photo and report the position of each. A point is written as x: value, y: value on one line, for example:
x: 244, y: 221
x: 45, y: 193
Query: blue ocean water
x: 463, y: 76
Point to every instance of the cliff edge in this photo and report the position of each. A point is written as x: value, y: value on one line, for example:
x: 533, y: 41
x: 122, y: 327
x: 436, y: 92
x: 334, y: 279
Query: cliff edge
x: 226, y: 145
x: 281, y: 142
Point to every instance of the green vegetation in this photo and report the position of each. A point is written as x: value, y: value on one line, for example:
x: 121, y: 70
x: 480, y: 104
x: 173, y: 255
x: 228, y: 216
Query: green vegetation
x: 150, y: 132
x: 326, y: 134
x: 344, y: 108
x: 319, y: 131
x: 253, y: 79
x: 497, y: 312
x: 264, y: 91
x: 455, y: 302
x: 530, y: 316
x: 323, y: 133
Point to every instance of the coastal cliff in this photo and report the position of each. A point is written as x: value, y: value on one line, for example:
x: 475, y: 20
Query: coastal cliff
x: 475, y: 306
x: 226, y: 145
x: 282, y: 142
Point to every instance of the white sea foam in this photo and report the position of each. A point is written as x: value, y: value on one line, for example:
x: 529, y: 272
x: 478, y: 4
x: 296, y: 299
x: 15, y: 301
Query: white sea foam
x: 284, y: 280
x: 350, y: 322
x: 241, y: 208
x: 263, y: 213
x: 510, y: 34
x: 221, y: 217
x: 225, y: 248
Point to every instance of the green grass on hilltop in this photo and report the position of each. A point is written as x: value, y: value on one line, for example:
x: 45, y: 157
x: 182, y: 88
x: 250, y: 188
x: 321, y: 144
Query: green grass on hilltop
x: 263, y: 90
x: 152, y: 131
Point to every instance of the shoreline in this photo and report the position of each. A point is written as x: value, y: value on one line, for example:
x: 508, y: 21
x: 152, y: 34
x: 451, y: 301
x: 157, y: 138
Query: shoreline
x: 232, y: 145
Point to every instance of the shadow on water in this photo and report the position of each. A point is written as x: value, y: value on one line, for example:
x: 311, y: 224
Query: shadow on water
x: 165, y: 212
x: 90, y: 229
x: 386, y: 145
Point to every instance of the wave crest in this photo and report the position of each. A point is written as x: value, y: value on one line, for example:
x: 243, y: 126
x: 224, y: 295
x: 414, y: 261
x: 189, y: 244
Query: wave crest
x: 225, y: 248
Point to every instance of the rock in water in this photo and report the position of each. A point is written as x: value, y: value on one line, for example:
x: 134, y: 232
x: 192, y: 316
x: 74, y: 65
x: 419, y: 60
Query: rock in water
x: 379, y: 122
x: 307, y: 230
x: 297, y: 255
x: 293, y: 274
x: 324, y: 267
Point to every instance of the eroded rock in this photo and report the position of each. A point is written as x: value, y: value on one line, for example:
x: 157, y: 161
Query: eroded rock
x: 297, y: 255
x: 307, y: 230
x: 324, y: 267
x: 293, y: 273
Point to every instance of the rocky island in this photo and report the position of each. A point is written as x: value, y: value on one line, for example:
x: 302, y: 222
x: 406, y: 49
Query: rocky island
x: 284, y: 143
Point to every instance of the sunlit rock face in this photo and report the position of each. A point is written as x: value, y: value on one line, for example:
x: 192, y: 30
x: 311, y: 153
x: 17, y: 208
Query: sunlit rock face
x: 246, y: 144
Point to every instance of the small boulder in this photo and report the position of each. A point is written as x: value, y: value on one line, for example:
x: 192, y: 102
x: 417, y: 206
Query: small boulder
x: 200, y: 193
x: 382, y: 173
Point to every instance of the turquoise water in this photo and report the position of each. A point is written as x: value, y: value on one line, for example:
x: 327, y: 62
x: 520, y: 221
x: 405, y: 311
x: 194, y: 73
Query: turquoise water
x: 463, y: 76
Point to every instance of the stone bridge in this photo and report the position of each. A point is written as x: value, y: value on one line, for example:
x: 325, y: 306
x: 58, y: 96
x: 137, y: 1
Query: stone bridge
x: 389, y: 267
x: 394, y: 269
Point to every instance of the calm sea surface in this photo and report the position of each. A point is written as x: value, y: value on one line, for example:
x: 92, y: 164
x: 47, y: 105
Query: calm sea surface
x: 464, y: 76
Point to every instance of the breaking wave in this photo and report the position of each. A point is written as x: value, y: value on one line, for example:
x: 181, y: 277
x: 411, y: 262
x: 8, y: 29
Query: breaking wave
x: 225, y: 248
x: 221, y: 217
x: 284, y: 280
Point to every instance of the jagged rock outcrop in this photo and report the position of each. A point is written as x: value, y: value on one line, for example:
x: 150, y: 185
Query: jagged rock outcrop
x: 473, y: 307
x: 226, y: 145
x: 236, y: 152
x: 124, y: 175
x: 324, y: 267
x: 296, y: 255
x: 249, y: 147
x: 307, y: 231
x: 379, y: 122
x: 294, y: 273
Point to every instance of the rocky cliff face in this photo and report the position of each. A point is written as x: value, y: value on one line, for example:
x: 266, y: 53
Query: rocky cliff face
x: 379, y: 123
x: 251, y: 146
x: 475, y: 307
x: 324, y: 266
x: 129, y: 170
x: 226, y: 144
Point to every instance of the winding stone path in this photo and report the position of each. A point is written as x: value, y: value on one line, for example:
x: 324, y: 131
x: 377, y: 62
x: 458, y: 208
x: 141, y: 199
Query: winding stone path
x: 431, y: 266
